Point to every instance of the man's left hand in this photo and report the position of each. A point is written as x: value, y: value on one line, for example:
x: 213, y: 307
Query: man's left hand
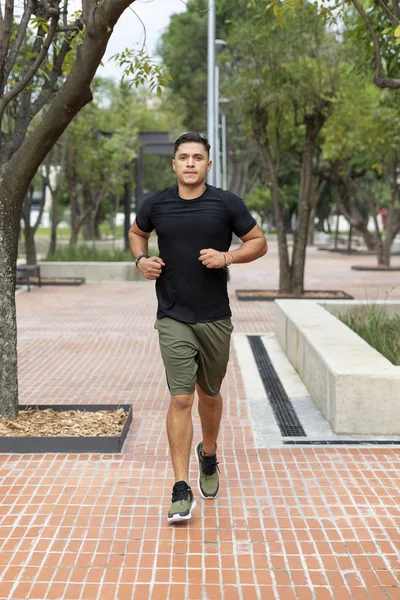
x: 212, y: 259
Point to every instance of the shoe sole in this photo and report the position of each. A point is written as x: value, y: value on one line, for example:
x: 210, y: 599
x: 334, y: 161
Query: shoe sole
x: 178, y: 518
x: 198, y: 480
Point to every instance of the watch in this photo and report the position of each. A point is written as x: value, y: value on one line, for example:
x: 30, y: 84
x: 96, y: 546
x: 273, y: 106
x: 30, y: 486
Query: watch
x: 143, y: 255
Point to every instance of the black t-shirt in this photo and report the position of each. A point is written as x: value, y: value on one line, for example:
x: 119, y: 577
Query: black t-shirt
x: 186, y: 290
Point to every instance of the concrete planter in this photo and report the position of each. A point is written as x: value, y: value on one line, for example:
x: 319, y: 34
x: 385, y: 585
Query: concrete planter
x: 93, y: 271
x: 67, y: 444
x: 354, y: 386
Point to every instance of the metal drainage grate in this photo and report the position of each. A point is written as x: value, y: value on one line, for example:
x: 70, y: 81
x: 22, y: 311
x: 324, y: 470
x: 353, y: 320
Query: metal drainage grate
x: 342, y: 442
x: 284, y: 412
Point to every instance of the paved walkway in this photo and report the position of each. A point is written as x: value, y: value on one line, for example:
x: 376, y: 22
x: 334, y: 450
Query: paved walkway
x: 289, y: 523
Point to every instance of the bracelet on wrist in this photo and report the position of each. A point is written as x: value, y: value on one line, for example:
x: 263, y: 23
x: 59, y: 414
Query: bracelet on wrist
x: 227, y: 254
x: 144, y: 255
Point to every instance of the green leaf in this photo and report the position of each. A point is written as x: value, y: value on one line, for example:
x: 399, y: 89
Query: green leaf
x: 397, y: 31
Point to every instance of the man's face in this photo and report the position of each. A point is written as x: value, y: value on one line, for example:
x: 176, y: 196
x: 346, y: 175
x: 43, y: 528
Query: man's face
x: 191, y: 164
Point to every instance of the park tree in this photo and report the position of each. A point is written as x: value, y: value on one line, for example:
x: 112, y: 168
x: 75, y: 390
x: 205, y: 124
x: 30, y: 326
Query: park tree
x: 361, y: 154
x: 375, y: 31
x: 285, y: 80
x: 48, y: 59
x: 101, y: 147
x: 183, y: 48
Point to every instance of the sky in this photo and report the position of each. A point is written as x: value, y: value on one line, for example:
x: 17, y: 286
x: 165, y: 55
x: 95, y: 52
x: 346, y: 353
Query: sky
x: 129, y: 32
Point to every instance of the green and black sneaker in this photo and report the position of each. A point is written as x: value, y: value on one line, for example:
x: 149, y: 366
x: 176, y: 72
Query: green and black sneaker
x: 182, y: 503
x: 208, y: 473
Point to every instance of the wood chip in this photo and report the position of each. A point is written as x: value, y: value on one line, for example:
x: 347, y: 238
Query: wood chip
x: 48, y: 422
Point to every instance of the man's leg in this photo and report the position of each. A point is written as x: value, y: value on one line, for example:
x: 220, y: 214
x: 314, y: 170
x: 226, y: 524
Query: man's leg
x: 180, y: 434
x: 179, y: 351
x: 214, y: 342
x: 210, y: 411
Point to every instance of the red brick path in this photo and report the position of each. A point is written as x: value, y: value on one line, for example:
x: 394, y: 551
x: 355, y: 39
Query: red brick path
x: 305, y: 524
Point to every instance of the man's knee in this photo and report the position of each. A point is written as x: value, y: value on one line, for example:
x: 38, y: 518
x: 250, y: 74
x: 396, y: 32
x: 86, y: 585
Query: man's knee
x: 182, y: 401
x: 208, y: 399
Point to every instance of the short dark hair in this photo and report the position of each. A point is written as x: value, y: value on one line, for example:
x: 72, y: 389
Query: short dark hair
x: 197, y: 138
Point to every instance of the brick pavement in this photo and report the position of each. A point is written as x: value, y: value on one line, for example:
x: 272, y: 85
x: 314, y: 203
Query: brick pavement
x: 300, y: 523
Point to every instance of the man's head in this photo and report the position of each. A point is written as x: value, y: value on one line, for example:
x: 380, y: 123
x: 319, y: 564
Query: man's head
x: 191, y: 160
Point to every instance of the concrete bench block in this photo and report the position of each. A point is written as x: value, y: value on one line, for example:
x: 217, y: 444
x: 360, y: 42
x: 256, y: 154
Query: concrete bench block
x: 93, y: 271
x: 355, y: 387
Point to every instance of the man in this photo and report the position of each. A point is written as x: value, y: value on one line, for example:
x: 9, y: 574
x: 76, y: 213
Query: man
x: 194, y: 223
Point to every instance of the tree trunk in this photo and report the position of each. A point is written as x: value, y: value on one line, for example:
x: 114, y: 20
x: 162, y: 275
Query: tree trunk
x: 393, y: 221
x: 311, y: 226
x: 349, y: 238
x: 387, y: 244
x: 10, y: 210
x: 20, y: 162
x: 54, y: 223
x: 30, y: 246
x: 87, y: 229
x: 75, y: 226
x: 303, y: 212
x: 316, y: 191
x: 314, y: 124
x: 337, y: 230
x: 369, y: 239
x: 96, y: 223
x: 29, y: 231
x: 378, y: 234
x: 379, y: 250
x: 73, y: 238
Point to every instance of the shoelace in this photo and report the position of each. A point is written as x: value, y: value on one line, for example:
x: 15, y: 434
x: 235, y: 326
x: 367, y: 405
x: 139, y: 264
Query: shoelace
x: 179, y: 491
x: 210, y: 464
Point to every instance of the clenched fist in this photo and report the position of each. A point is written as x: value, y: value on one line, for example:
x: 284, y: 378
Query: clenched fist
x: 151, y: 267
x: 212, y: 259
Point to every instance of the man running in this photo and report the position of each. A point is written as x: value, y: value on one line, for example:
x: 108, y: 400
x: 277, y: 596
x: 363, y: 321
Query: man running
x: 194, y: 223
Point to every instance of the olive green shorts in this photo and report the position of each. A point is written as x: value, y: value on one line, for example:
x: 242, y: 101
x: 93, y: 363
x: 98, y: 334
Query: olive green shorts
x: 194, y: 353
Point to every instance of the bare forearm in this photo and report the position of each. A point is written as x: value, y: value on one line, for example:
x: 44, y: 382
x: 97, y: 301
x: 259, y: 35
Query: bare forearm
x: 249, y: 251
x: 138, y: 244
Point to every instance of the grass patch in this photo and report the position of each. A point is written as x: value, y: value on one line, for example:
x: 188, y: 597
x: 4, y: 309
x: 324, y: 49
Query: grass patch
x: 89, y: 254
x: 378, y: 329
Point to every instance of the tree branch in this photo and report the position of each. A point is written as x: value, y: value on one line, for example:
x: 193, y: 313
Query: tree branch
x: 382, y: 82
x: 69, y: 29
x: 56, y: 72
x: 71, y: 98
x: 5, y: 36
x: 17, y: 43
x: 65, y: 13
x: 389, y: 14
x: 6, y: 99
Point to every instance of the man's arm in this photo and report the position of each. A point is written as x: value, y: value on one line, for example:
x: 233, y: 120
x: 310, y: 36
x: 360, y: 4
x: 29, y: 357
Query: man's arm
x: 139, y: 244
x: 254, y: 246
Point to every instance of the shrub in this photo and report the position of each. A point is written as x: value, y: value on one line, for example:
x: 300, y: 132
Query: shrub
x: 380, y: 331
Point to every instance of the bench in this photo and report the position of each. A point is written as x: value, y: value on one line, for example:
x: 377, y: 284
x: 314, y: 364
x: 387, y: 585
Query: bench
x: 25, y: 272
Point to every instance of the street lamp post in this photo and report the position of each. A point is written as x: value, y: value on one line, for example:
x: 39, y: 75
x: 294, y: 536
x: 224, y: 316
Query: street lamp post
x: 217, y: 132
x: 211, y: 87
x: 223, y: 102
x: 218, y: 44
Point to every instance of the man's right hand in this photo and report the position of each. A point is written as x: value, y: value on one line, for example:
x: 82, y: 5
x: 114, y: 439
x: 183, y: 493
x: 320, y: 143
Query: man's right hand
x: 151, y: 267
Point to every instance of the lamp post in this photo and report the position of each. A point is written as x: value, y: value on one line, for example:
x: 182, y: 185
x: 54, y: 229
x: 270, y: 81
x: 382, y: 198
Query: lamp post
x: 218, y: 44
x: 223, y: 102
x: 211, y: 87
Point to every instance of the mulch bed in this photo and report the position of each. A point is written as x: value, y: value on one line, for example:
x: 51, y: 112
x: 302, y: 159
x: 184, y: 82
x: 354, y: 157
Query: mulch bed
x: 375, y: 268
x: 52, y: 281
x: 32, y: 422
x: 352, y: 251
x: 270, y: 295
